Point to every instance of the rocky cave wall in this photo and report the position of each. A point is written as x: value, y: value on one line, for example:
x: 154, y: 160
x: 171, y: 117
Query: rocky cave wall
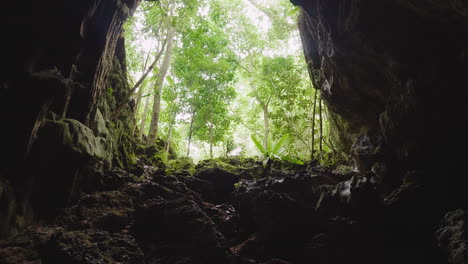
x: 61, y: 75
x: 394, y: 73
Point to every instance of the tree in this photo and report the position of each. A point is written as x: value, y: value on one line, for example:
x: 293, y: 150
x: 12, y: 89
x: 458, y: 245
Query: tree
x: 223, y: 78
x: 206, y: 67
x: 153, y: 130
x: 273, y: 85
x: 312, y: 153
x: 173, y: 20
x: 139, y: 82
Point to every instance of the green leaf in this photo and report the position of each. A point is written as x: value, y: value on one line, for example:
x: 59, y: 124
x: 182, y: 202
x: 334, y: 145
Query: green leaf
x: 292, y: 160
x: 269, y: 144
x: 279, y: 144
x: 170, y: 80
x: 258, y: 144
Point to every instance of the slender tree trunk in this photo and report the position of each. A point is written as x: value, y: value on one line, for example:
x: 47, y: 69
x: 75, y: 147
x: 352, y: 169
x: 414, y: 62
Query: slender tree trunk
x: 139, y: 97
x: 153, y: 132
x: 266, y: 121
x: 138, y: 104
x: 211, y: 141
x: 312, y: 154
x: 143, y: 84
x: 127, y: 97
x: 143, y: 116
x: 190, y: 134
x: 321, y: 124
x: 169, y: 137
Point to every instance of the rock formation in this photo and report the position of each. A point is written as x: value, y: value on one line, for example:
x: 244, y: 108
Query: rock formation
x: 76, y: 188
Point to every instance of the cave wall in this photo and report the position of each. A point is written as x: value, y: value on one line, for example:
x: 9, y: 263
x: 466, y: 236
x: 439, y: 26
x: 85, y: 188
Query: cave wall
x: 394, y: 71
x: 61, y: 75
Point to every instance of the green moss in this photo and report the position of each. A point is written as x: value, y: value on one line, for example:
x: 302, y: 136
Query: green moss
x: 244, y: 168
x: 124, y: 154
x: 181, y: 166
x: 77, y: 138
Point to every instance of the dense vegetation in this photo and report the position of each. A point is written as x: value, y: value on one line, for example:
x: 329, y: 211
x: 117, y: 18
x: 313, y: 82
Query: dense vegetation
x: 222, y: 77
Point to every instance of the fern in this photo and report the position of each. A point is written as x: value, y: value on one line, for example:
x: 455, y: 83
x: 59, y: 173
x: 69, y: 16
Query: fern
x: 275, y: 151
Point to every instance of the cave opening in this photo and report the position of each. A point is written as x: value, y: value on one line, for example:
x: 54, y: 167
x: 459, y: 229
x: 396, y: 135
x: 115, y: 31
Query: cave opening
x: 221, y: 78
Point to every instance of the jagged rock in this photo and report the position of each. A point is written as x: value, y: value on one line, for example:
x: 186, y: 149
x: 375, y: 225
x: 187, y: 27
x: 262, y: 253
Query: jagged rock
x: 25, y: 247
x: 452, y: 236
x: 75, y: 138
x: 333, y: 199
x: 245, y: 168
x: 223, y: 181
x: 205, y: 188
x: 171, y: 182
x: 225, y: 217
x: 55, y: 245
x: 178, y: 228
x: 149, y: 190
x: 91, y: 246
x: 151, y: 155
x: 299, y: 192
x: 100, y: 125
x: 114, y: 179
x: 375, y: 74
x: 356, y: 197
x: 109, y: 211
x: 182, y: 167
x: 276, y: 215
x: 65, y: 159
x: 366, y: 150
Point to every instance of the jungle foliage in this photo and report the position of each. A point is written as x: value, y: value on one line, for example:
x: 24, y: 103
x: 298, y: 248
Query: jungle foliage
x: 225, y: 77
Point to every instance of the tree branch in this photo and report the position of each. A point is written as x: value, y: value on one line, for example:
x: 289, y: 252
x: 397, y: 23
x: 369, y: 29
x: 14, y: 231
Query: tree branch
x: 139, y: 82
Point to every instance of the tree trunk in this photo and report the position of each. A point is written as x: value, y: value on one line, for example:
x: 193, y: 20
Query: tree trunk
x: 267, y: 126
x: 138, y: 104
x: 313, y: 126
x: 190, y: 134
x: 169, y: 136
x: 211, y: 141
x: 139, y: 97
x: 127, y: 97
x: 153, y: 132
x: 143, y: 116
x: 321, y: 125
x: 143, y: 85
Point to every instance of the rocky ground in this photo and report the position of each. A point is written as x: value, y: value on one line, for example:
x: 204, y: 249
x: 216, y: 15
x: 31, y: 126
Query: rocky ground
x: 217, y: 213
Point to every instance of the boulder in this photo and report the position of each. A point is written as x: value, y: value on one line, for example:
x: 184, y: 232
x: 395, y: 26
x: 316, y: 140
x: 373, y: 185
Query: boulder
x: 65, y: 157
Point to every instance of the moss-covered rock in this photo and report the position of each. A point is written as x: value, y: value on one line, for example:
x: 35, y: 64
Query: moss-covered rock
x: 99, y: 125
x: 124, y: 153
x: 76, y: 138
x: 244, y: 168
x: 181, y: 167
x: 152, y: 155
x: 65, y: 156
